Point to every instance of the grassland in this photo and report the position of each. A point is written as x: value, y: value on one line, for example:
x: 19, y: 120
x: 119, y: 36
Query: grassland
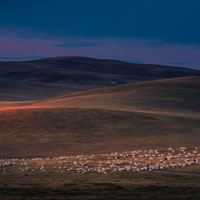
x: 179, y: 95
x: 173, y: 183
x: 124, y: 185
x: 156, y: 114
x: 47, y: 78
x: 60, y: 131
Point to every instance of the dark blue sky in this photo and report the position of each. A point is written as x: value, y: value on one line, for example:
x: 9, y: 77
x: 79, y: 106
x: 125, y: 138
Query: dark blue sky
x: 149, y: 31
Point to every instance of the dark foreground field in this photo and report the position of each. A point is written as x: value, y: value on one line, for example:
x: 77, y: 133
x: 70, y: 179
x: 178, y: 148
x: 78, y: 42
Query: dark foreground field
x: 126, y: 185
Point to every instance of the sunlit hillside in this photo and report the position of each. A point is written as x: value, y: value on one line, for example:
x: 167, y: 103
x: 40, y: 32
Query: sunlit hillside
x: 179, y: 95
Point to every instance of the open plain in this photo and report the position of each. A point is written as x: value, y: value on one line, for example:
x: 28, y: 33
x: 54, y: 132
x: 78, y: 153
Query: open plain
x: 127, y: 141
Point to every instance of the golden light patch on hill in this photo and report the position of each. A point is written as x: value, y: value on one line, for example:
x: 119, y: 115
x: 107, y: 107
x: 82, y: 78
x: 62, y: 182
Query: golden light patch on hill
x: 179, y: 95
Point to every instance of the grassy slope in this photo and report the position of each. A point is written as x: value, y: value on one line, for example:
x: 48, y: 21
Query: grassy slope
x: 60, y: 131
x: 105, y: 124
x: 179, y: 95
x: 47, y: 78
x: 52, y: 131
x: 27, y: 91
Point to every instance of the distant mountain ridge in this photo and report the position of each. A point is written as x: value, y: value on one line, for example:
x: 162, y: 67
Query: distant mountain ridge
x: 51, y: 77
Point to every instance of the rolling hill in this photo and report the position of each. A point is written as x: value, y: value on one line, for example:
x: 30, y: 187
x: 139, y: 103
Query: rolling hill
x: 46, y: 78
x: 62, y: 131
x: 178, y: 95
x: 153, y: 114
x: 107, y: 106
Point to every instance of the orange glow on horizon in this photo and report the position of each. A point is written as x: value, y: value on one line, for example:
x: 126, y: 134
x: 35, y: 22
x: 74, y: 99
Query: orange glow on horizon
x: 30, y: 107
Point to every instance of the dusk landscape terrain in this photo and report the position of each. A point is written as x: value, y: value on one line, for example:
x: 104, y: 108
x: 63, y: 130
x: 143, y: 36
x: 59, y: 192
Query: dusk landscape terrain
x: 100, y: 111
x: 45, y: 78
x: 142, y: 113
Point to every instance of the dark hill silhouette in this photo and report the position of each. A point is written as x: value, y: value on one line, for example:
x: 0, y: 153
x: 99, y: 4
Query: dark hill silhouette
x: 46, y: 78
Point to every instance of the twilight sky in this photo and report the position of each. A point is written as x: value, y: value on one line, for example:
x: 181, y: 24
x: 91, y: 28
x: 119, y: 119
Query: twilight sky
x: 144, y: 31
